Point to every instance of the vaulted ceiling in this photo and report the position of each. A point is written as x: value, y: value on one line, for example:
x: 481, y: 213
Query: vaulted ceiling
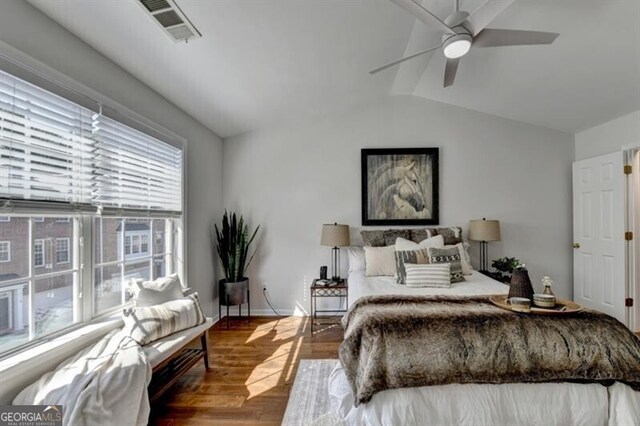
x: 261, y: 62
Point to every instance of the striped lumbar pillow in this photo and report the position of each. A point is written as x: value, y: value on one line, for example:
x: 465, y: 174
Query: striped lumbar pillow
x: 149, y: 323
x: 420, y: 256
x: 429, y: 275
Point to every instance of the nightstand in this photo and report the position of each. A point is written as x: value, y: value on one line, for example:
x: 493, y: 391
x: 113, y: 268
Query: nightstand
x: 340, y: 291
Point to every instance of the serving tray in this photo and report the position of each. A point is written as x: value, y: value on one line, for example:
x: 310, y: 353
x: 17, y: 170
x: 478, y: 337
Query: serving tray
x: 563, y: 307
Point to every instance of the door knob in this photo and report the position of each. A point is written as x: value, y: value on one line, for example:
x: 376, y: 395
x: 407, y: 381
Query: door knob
x: 576, y: 245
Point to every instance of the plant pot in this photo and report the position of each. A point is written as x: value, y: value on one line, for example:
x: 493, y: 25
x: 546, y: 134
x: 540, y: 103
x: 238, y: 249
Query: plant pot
x: 234, y: 293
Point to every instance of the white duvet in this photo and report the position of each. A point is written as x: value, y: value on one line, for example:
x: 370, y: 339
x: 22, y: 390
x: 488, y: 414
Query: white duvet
x: 105, y: 384
x: 475, y: 284
x: 478, y: 404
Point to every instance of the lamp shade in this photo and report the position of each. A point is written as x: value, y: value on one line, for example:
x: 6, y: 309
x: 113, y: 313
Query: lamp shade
x: 484, y: 230
x: 335, y: 235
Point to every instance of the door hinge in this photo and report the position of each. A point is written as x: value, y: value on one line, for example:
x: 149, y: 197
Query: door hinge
x: 628, y: 236
x: 628, y: 302
x: 628, y: 169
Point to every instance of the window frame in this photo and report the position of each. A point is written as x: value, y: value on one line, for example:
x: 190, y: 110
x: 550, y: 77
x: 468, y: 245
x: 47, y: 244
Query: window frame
x: 8, y: 251
x: 67, y: 250
x: 5, y: 219
x: 41, y: 242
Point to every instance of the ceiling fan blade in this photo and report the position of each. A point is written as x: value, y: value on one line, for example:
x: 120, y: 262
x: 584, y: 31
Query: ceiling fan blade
x: 486, y: 13
x: 423, y: 14
x: 406, y: 58
x: 491, y: 37
x: 450, y: 70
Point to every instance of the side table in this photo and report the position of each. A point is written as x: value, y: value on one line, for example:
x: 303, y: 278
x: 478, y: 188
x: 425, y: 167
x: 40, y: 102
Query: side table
x: 340, y: 291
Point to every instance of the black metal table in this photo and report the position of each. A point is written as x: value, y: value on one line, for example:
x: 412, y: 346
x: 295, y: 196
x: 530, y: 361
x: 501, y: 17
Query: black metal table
x: 340, y: 291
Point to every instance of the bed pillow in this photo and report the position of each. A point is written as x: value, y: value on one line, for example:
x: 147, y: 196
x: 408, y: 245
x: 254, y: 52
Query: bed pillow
x: 379, y: 261
x: 381, y: 238
x: 420, y: 256
x: 356, y: 259
x: 162, y: 290
x: 404, y: 244
x: 429, y: 275
x: 150, y: 323
x: 448, y: 255
x: 418, y: 235
x: 452, y: 235
x: 465, y: 260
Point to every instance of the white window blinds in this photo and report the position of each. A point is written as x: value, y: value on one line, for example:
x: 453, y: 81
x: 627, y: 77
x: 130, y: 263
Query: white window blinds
x: 52, y: 149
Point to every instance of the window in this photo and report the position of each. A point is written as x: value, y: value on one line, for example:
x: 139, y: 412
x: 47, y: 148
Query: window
x: 78, y: 178
x: 38, y: 253
x: 62, y: 250
x: 5, y: 251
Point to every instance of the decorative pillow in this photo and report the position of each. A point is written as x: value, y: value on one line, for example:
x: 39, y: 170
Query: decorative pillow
x: 452, y: 235
x: 448, y: 255
x: 403, y: 245
x: 162, y: 290
x: 356, y: 259
x: 431, y: 275
x: 418, y: 235
x: 381, y: 238
x: 379, y: 261
x: 150, y: 323
x: 420, y: 256
x: 465, y: 260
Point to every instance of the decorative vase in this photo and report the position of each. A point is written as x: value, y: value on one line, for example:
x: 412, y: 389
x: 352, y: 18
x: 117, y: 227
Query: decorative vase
x: 521, y: 284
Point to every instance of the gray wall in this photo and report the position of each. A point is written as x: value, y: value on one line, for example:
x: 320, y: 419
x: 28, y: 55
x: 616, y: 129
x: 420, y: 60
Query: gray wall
x: 25, y: 28
x: 608, y: 137
x: 292, y: 179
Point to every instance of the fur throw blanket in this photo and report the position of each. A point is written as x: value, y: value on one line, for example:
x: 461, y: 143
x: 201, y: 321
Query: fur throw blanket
x: 397, y: 341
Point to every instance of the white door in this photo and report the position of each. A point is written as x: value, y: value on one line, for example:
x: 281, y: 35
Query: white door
x: 599, y: 266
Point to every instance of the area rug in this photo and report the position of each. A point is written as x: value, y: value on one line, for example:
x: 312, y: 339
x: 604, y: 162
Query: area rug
x: 309, y: 402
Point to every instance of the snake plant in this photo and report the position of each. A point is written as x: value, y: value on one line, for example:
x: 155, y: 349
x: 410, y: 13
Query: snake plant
x: 233, y: 243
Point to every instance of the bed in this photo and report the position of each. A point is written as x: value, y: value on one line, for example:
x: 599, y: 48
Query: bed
x: 564, y: 403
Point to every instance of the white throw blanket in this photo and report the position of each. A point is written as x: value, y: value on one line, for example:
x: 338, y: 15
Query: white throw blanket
x: 105, y: 384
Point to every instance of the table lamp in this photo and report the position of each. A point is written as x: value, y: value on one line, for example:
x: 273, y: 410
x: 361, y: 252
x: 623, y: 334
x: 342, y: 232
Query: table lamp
x: 335, y: 236
x: 484, y: 231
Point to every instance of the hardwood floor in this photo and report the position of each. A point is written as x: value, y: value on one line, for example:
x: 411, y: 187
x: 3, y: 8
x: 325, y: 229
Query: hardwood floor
x: 253, y: 366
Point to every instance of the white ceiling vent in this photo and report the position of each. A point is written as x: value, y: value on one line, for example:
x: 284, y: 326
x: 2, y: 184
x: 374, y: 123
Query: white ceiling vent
x: 172, y: 20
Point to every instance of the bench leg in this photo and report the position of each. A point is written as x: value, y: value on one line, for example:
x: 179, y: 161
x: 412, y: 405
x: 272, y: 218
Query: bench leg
x: 205, y: 347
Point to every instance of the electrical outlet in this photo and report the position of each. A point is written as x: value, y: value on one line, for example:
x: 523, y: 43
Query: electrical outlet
x: 264, y: 288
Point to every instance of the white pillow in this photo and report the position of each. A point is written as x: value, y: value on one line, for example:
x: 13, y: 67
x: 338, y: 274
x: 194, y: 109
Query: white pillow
x: 403, y: 244
x: 150, y: 323
x: 380, y: 261
x: 465, y: 260
x: 356, y: 259
x: 162, y: 290
x: 428, y: 275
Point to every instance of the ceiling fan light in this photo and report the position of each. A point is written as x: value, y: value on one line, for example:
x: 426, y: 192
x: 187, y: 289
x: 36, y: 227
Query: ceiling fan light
x: 457, y: 46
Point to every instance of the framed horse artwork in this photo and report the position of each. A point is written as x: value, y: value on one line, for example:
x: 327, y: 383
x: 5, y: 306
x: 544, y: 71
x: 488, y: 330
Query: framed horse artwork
x: 400, y: 186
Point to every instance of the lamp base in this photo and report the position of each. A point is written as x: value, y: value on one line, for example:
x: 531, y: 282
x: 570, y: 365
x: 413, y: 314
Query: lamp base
x: 337, y: 280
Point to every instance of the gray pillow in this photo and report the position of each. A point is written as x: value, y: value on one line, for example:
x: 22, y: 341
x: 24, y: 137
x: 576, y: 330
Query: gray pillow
x: 418, y: 235
x: 448, y: 255
x: 420, y: 256
x: 381, y: 238
x: 452, y: 235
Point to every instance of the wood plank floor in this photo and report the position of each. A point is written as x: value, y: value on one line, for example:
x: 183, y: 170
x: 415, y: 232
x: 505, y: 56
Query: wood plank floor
x: 253, y: 366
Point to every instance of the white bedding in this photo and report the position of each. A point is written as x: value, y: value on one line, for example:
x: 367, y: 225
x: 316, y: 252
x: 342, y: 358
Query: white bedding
x: 482, y: 404
x: 479, y: 404
x: 475, y: 284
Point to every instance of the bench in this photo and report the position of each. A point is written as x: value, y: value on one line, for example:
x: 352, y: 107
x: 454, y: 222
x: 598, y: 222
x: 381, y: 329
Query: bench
x: 172, y: 356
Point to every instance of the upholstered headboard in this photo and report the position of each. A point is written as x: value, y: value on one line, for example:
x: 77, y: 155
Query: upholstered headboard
x: 386, y: 237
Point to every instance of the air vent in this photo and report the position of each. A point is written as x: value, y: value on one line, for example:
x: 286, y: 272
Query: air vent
x: 171, y: 19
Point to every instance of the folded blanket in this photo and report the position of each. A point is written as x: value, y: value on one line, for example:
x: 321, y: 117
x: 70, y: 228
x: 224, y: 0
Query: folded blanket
x: 105, y: 384
x: 408, y: 341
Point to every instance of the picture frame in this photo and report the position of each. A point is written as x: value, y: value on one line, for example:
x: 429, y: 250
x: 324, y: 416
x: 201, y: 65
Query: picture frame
x: 400, y: 186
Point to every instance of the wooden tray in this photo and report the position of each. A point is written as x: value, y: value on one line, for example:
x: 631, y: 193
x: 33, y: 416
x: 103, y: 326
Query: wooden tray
x: 563, y: 307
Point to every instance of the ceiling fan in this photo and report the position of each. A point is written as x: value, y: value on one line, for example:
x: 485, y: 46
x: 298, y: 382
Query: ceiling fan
x: 462, y: 30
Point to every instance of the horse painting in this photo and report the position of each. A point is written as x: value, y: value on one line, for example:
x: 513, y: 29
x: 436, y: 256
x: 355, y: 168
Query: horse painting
x: 399, y: 187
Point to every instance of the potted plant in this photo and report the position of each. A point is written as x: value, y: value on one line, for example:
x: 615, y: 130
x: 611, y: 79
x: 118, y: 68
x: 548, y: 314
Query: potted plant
x: 505, y: 267
x: 233, y: 243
